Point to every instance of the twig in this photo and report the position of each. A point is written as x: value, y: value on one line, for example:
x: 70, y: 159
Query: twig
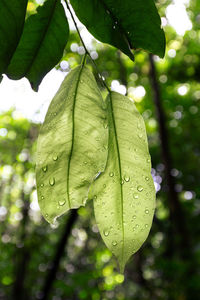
x: 86, y: 50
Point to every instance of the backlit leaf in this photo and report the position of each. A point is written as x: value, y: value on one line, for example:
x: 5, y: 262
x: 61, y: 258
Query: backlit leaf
x: 124, y: 195
x: 72, y: 145
x: 42, y: 44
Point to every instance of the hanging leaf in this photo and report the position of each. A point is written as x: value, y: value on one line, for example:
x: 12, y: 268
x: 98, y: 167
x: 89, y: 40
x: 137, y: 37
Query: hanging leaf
x: 12, y: 15
x: 124, y: 195
x: 124, y: 24
x: 72, y: 144
x: 42, y: 44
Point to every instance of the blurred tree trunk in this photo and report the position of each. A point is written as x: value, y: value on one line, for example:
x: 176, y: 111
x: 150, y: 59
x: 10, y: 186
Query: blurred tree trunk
x: 22, y: 255
x: 60, y: 250
x: 177, y: 218
x: 23, y: 252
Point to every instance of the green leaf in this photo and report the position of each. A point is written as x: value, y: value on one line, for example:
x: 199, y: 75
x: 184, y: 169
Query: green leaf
x: 42, y: 44
x: 124, y: 195
x: 12, y: 15
x: 72, y: 145
x: 124, y: 24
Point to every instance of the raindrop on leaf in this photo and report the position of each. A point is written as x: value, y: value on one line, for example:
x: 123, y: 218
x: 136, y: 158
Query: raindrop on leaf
x: 106, y: 232
x: 61, y: 202
x: 140, y: 188
x: 44, y: 169
x: 55, y: 157
x: 127, y: 178
x: 52, y: 181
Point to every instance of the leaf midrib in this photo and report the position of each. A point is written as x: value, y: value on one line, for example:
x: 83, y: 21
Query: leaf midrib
x: 120, y: 173
x: 73, y: 132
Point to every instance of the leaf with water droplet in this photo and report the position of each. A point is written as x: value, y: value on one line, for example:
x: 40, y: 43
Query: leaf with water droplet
x: 139, y: 188
x: 55, y: 157
x: 44, y: 168
x: 127, y: 201
x: 63, y: 146
x: 62, y: 202
x: 52, y: 181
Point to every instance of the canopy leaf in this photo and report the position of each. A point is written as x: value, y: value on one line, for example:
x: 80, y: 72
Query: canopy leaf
x: 124, y: 195
x: 12, y: 15
x: 72, y: 144
x: 42, y: 44
x: 124, y: 24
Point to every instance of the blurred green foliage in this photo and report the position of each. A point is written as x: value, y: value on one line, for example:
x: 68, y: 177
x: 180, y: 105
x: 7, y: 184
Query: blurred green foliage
x: 87, y: 270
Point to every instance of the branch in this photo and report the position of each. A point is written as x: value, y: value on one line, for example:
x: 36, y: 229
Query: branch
x: 177, y: 216
x: 58, y: 255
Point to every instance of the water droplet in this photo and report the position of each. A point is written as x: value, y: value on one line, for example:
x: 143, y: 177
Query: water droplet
x: 105, y: 125
x: 146, y: 225
x: 44, y: 169
x: 46, y: 215
x: 81, y: 81
x: 139, y: 125
x: 62, y: 202
x: 95, y: 197
x: 146, y: 211
x: 122, y: 181
x: 140, y: 188
x: 127, y: 178
x: 134, y: 217
x: 140, y: 135
x: 106, y: 232
x: 147, y: 178
x: 114, y: 27
x: 114, y: 243
x: 52, y: 181
x: 55, y: 157
x: 135, y: 195
x: 42, y: 184
x: 84, y: 201
x: 148, y: 160
x: 42, y: 197
x: 111, y: 174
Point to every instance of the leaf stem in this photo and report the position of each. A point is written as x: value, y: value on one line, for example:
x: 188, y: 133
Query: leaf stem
x: 86, y: 50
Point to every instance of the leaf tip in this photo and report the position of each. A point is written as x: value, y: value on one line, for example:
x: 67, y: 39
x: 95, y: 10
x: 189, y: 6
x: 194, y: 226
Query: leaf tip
x: 34, y: 86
